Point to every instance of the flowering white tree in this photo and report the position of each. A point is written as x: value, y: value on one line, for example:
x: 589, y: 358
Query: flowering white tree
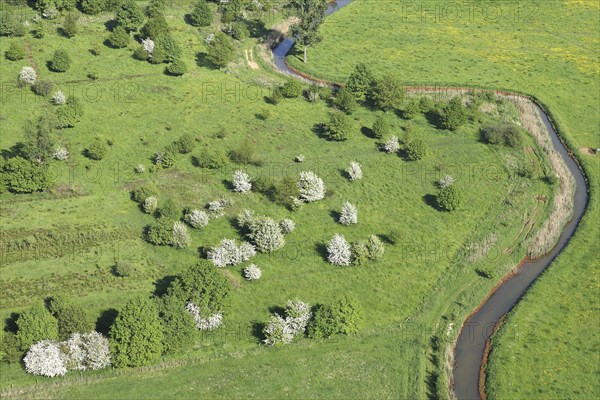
x: 446, y: 181
x: 349, y: 214
x: 245, y: 219
x: 59, y: 98
x: 375, y: 247
x: 338, y: 251
x: 140, y: 169
x: 311, y: 187
x: 74, y: 353
x: 266, y: 235
x: 209, y: 38
x: 86, y: 351
x: 181, y: 237
x: 217, y: 207
x: 148, y: 45
x: 392, y: 145
x: 229, y: 253
x: 277, y: 332
x: 28, y: 75
x: 297, y: 315
x: 300, y: 158
x: 197, y: 219
x: 45, y: 358
x: 252, y: 272
x: 209, y: 323
x: 241, y: 181
x: 150, y: 204
x: 354, y: 171
x: 60, y: 153
x: 287, y: 225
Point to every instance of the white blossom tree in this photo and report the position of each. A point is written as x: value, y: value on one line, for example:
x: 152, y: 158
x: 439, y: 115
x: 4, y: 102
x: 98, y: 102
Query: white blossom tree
x: 86, y: 351
x: 181, y: 237
x: 148, y: 45
x: 311, y: 187
x: 354, y: 171
x: 229, y: 253
x: 197, y: 219
x: 208, y: 323
x: 60, y: 153
x: 252, y: 272
x: 241, y: 182
x: 392, y: 145
x: 28, y: 75
x: 217, y: 208
x: 266, y: 235
x: 287, y: 225
x: 446, y: 181
x: 375, y: 247
x: 297, y: 315
x: 150, y: 204
x: 45, y: 358
x: 338, y: 251
x: 277, y: 332
x: 349, y: 214
x: 140, y: 169
x: 59, y: 98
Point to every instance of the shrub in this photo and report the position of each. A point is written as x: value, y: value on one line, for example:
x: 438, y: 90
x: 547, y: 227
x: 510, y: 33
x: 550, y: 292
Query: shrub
x: 92, y: 7
x: 185, y: 144
x: 10, y: 24
x: 416, y: 150
x: 45, y: 358
x: 392, y: 145
x: 350, y: 315
x: 119, y: 38
x: 360, y: 81
x: 87, y: 351
x: 60, y: 153
x: 35, y: 324
x: 291, y: 89
x: 197, y: 219
x: 61, y: 62
x: 311, y: 187
x: 217, y: 207
x: 324, y: 324
x: 141, y: 193
x: 354, y: 171
x: 286, y: 190
x: 297, y: 316
x: 229, y: 253
x: 276, y: 96
x: 160, y: 233
x: 97, y: 150
x: 345, y: 101
x: 299, y: 158
x: 313, y: 93
x: 155, y: 28
x: 381, y: 127
x: 339, y: 126
x: 338, y: 251
x: 27, y: 75
x: 169, y: 211
x: 129, y: 15
x: 220, y: 50
x: 394, y: 236
x: 375, y: 247
x: 15, y: 51
x: 252, y: 272
x: 211, y: 158
x: 387, y: 93
x: 70, y: 114
x: 70, y: 317
x: 24, y: 176
x: 349, y: 214
x: 123, y: 269
x: 59, y: 98
x: 208, y: 323
x: 426, y: 104
x: 277, y: 332
x: 177, y: 68
x: 266, y: 234
x: 411, y: 109
x: 453, y: 114
x: 150, y: 204
x: 39, y: 31
x: 239, y: 31
x: 69, y: 27
x: 141, y: 54
x: 181, y: 237
x: 360, y: 253
x: 445, y: 181
x: 287, y: 226
x: 43, y: 87
x: 449, y: 198
x: 244, y: 154
x: 201, y: 15
x: 178, y: 324
x: 505, y: 133
x: 165, y: 159
x: 10, y: 349
x: 140, y: 169
x: 241, y: 182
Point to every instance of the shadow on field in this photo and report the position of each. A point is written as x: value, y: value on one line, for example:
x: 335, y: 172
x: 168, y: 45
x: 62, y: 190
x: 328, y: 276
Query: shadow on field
x: 431, y: 201
x: 336, y: 217
x: 321, y: 249
x: 162, y: 284
x: 433, y: 118
x: 10, y: 323
x: 368, y: 132
x: 257, y: 330
x: 106, y: 320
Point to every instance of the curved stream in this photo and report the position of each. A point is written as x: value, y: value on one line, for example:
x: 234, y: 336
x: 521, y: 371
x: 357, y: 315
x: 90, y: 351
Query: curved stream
x: 479, y: 326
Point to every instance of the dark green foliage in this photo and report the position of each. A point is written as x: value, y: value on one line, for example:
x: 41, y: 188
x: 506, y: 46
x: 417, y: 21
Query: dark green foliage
x: 232, y: 10
x: 71, y: 318
x: 201, y: 15
x: 178, y: 324
x: 35, y: 324
x: 97, y: 150
x: 360, y: 81
x: 276, y: 96
x: 92, y: 7
x: 291, y: 89
x: 453, y: 114
x: 166, y: 158
x: 244, y: 154
x: 411, y: 109
x: 123, y: 269
x: 19, y: 175
x: 387, y: 93
x: 310, y: 14
x: 394, y: 236
x: 339, y: 126
x: 505, y: 133
x: 155, y: 27
x: 39, y: 31
x: 43, y: 87
x: 170, y: 46
x: 136, y: 337
x: 426, y: 104
x: 155, y: 7
x: 160, y: 233
x: 70, y: 27
x: 381, y: 127
x: 119, y: 38
x: 220, y: 51
x: 204, y: 285
x: 10, y: 25
x: 10, y: 350
x: 345, y: 315
x: 15, y: 52
x: 177, y: 68
x: 169, y: 211
x: 345, y: 101
x: 211, y: 158
x: 61, y: 62
x: 186, y: 143
x: 140, y: 54
x: 449, y: 198
x: 38, y: 143
x: 143, y: 192
x: 324, y: 323
x: 159, y: 55
x: 239, y: 31
x: 285, y: 190
x: 69, y: 114
x: 129, y: 15
x: 416, y: 150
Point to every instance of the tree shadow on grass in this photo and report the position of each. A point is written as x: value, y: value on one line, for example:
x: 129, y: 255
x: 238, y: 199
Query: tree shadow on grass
x: 10, y: 323
x: 162, y: 284
x: 106, y: 320
x: 257, y: 331
x: 335, y: 215
x: 320, y: 129
x: 321, y: 249
x: 431, y: 201
x: 368, y: 132
x: 277, y: 310
x: 434, y: 119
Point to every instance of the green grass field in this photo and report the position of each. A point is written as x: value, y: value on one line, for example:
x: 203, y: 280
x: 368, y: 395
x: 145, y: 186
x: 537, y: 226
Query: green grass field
x: 419, y: 289
x: 547, y: 50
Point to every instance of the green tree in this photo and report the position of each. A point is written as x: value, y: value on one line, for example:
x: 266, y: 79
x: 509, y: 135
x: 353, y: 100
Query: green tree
x: 61, y: 62
x: 92, y: 7
x: 453, y: 114
x: 178, y: 324
x: 381, y: 127
x: 19, y: 175
x: 97, y: 150
x: 155, y: 7
x: 220, y: 50
x: 449, y: 198
x: 160, y: 233
x: 186, y: 143
x: 360, y: 81
x: 136, y: 337
x: 201, y: 15
x: 70, y: 27
x: 70, y: 113
x: 15, y: 51
x: 155, y: 27
x: 387, y: 93
x: 119, y: 38
x: 10, y: 25
x: 35, y: 324
x: 158, y: 56
x: 291, y: 89
x: 411, y: 109
x: 140, y: 53
x: 345, y: 101
x: 38, y: 143
x: 39, y: 31
x: 129, y: 15
x: 168, y: 43
x: 349, y: 314
x: 71, y: 318
x: 311, y: 14
x: 416, y: 150
x: 339, y: 126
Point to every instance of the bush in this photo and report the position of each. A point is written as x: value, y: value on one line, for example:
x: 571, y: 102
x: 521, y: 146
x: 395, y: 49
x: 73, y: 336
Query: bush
x: 291, y: 89
x: 71, y: 317
x: 45, y: 358
x: 166, y: 158
x: 287, y: 225
x: 360, y: 253
x: 204, y: 322
x: 97, y: 150
x: 211, y: 158
x: 286, y: 190
x: 277, y: 332
x: 345, y: 101
x: 244, y: 154
x: 70, y: 27
x: 169, y: 211
x: 252, y: 272
x: 392, y: 145
x: 39, y: 31
x: 360, y: 81
x: 43, y: 87
x: 136, y: 336
x: 59, y: 98
x: 387, y: 93
x: 411, y: 109
x: 15, y: 51
x: 229, y: 253
x: 178, y: 324
x: 426, y: 104
x: 349, y: 214
x: 345, y: 316
x: 69, y: 114
x: 201, y: 15
x: 453, y: 114
x: 10, y: 348
x: 150, y: 204
x: 158, y: 55
x: 416, y: 150
x: 27, y: 76
x: 241, y: 182
x: 141, y: 54
x: 324, y: 323
x: 505, y: 133
x: 445, y: 181
x: 160, y: 233
x: 375, y: 247
x: 177, y: 68
x: 10, y: 24
x: 339, y: 126
x: 129, y: 15
x: 35, y: 324
x: 181, y: 237
x: 92, y: 7
x: 338, y: 251
x: 119, y: 38
x: 170, y: 46
x: 24, y: 176
x: 297, y: 315
x: 185, y: 144
x: 449, y: 198
x: 143, y: 192
x: 197, y: 219
x: 123, y: 269
x: 310, y: 187
x: 239, y: 31
x: 354, y: 171
x: 61, y: 62
x: 155, y: 28
x: 220, y: 50
x: 87, y: 351
x: 266, y: 235
x: 381, y: 127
